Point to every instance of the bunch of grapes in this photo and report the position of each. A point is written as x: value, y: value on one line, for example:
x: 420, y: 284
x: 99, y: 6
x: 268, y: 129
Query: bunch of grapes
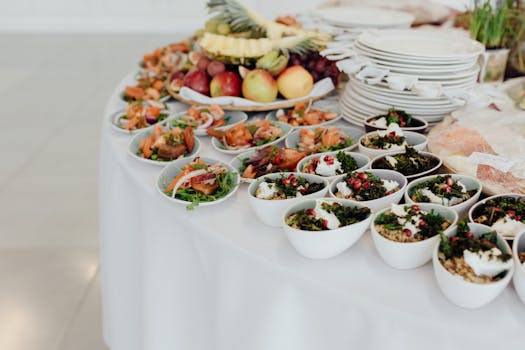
x: 317, y: 65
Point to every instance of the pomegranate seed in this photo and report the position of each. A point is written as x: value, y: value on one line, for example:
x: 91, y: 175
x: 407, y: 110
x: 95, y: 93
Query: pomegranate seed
x: 310, y: 212
x: 328, y: 158
x: 511, y: 213
x: 450, y: 181
x: 295, y: 183
x: 357, y: 185
x: 315, y: 161
x: 469, y: 235
x: 303, y: 190
x: 407, y: 232
x: 422, y: 224
x: 518, y: 217
x: 286, y: 182
x: 453, y: 239
x: 448, y: 189
x: 416, y: 207
x: 325, y: 223
x: 362, y: 176
x: 366, y: 185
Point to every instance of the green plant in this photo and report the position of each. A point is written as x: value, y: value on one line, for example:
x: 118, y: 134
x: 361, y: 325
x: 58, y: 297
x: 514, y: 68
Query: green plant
x: 490, y: 26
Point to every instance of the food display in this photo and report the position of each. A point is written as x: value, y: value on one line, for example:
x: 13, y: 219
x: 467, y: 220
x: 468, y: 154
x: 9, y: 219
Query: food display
x: 165, y: 145
x: 287, y: 187
x: 476, y: 259
x: 330, y: 164
x: 404, y: 223
x: 327, y: 215
x: 269, y: 159
x: 247, y: 135
x: 303, y: 114
x: 444, y: 190
x: 408, y: 163
x: 138, y: 115
x: 506, y: 215
x: 365, y: 186
x: 199, y: 182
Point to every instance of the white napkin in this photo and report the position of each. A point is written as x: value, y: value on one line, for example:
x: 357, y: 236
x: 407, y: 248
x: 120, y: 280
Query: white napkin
x: 320, y: 88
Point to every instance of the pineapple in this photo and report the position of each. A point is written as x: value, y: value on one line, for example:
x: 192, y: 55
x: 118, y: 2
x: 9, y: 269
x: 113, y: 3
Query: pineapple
x: 241, y: 50
x: 242, y: 19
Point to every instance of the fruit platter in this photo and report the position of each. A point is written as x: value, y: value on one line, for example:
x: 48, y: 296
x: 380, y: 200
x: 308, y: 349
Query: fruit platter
x: 239, y: 60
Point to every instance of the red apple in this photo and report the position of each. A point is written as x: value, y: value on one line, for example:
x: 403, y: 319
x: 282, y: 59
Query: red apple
x: 225, y: 84
x: 198, y: 81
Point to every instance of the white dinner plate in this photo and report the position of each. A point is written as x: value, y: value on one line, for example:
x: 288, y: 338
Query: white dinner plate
x: 362, y: 16
x: 422, y: 43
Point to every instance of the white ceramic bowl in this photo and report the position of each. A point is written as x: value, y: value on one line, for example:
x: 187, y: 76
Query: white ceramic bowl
x: 475, y: 207
x: 363, y: 162
x: 133, y: 149
x: 114, y: 120
x: 383, y: 202
x: 234, y: 118
x: 370, y: 127
x: 354, y: 133
x: 323, y: 244
x: 461, y: 208
x: 464, y: 293
x: 414, y: 176
x: 174, y: 168
x: 271, y: 212
x: 219, y: 146
x: 417, y: 140
x: 321, y: 105
x: 519, y: 273
x: 410, y: 255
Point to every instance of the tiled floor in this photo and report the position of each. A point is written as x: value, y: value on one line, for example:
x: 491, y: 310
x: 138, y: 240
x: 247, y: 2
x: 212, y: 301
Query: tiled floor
x: 53, y: 89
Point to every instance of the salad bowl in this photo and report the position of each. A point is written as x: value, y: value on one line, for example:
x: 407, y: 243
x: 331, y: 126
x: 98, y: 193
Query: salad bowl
x: 230, y: 117
x: 270, y: 211
x: 296, y: 116
x: 375, y: 123
x: 174, y: 169
x: 409, y: 254
x: 463, y: 292
x: 293, y: 139
x: 427, y: 163
x: 472, y: 192
x: 134, y: 151
x: 325, y: 243
x: 116, y: 118
x: 360, y: 162
x: 377, y: 204
x: 518, y: 252
x: 414, y: 139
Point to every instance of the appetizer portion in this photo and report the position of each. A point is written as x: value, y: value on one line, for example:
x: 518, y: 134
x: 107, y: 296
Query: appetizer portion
x: 246, y: 135
x: 522, y: 257
x: 303, y: 115
x: 167, y: 59
x: 442, y: 190
x: 322, y: 139
x: 404, y: 223
x: 139, y: 115
x: 202, y: 118
x: 506, y: 215
x: 167, y: 145
x: 199, y: 182
x: 330, y: 165
x: 394, y: 116
x: 326, y: 215
x: 270, y: 159
x: 147, y: 88
x: 476, y: 259
x: 391, y: 139
x: 365, y: 186
x: 286, y: 188
x: 411, y: 162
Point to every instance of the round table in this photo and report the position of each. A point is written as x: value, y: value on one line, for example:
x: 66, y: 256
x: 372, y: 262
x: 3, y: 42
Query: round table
x: 217, y: 278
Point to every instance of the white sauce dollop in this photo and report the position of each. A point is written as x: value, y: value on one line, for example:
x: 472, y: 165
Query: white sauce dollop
x: 390, y: 185
x: 325, y: 169
x: 391, y: 160
x: 381, y: 122
x: 508, y: 226
x: 332, y: 222
x: 398, y: 210
x: 266, y: 190
x: 486, y: 263
x: 343, y: 188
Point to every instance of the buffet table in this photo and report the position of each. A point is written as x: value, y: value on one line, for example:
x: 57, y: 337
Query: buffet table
x: 217, y: 278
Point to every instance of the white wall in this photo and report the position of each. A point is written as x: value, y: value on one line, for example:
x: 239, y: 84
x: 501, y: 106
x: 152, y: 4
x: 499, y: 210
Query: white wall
x: 121, y: 15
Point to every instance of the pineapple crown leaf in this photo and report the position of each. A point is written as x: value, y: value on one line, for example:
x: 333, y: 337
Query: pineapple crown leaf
x: 234, y: 13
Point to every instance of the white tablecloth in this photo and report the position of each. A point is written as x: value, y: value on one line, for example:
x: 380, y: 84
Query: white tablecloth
x: 217, y: 278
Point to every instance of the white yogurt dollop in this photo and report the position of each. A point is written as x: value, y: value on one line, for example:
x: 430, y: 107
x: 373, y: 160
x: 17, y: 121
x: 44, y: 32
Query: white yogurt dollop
x: 266, y: 190
x: 390, y: 185
x: 381, y: 122
x: 343, y: 188
x: 325, y: 169
x: 391, y: 160
x: 398, y: 210
x: 486, y: 263
x: 332, y: 222
x: 507, y: 226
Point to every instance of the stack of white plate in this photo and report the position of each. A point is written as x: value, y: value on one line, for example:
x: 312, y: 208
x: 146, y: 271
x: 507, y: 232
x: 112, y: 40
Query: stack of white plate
x: 432, y: 56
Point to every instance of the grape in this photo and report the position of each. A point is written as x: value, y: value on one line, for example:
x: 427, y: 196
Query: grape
x: 320, y: 66
x: 223, y: 29
x: 203, y: 63
x: 215, y: 67
x: 211, y: 25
